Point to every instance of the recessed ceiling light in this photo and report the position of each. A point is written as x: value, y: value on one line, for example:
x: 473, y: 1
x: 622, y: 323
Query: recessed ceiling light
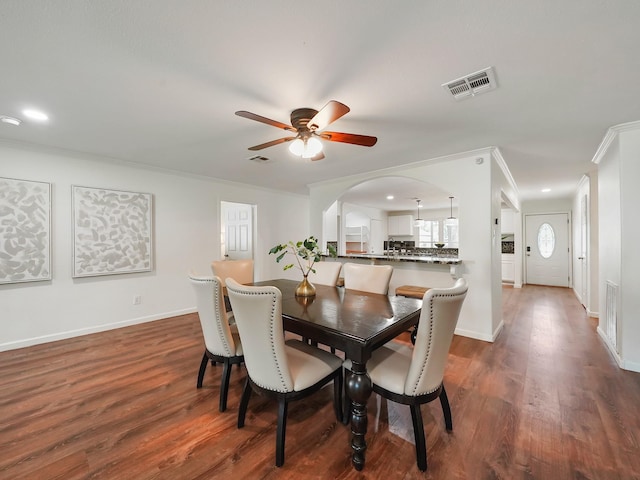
x: 389, y: 197
x: 35, y: 115
x: 10, y: 120
x: 545, y: 190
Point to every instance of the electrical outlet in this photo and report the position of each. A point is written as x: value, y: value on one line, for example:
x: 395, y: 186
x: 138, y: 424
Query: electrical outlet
x: 137, y: 299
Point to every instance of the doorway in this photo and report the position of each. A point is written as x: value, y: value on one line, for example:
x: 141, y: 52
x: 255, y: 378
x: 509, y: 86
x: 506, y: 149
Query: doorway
x: 580, y: 268
x: 547, y: 249
x: 236, y: 230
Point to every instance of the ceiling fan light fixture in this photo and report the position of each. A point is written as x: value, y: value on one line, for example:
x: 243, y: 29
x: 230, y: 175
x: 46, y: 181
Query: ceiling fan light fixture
x: 297, y: 147
x: 308, y: 148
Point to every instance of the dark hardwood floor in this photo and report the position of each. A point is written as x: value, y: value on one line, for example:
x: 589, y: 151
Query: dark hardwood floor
x: 545, y: 401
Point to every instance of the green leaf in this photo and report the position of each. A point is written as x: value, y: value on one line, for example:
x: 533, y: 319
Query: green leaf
x: 277, y: 249
x: 307, y: 249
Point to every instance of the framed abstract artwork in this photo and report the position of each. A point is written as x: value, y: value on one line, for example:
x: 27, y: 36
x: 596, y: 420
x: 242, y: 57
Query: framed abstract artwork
x: 25, y: 231
x: 112, y: 231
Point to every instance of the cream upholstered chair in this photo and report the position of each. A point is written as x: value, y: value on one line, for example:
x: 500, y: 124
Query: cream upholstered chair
x: 222, y: 343
x: 240, y: 270
x: 413, y: 375
x: 326, y: 273
x: 367, y: 278
x: 285, y: 370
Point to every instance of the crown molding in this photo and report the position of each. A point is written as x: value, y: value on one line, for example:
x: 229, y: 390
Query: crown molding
x: 610, y: 136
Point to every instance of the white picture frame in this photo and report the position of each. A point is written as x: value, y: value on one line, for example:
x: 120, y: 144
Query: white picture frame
x: 112, y: 231
x: 25, y: 231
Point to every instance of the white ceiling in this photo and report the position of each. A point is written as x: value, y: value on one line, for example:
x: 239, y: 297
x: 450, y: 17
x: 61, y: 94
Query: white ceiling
x: 158, y: 82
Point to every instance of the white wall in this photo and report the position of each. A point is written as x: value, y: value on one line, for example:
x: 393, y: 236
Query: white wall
x: 594, y: 245
x: 630, y: 246
x: 619, y: 234
x: 552, y: 205
x: 186, y: 236
x: 474, y: 185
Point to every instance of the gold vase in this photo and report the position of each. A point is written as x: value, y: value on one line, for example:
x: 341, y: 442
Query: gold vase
x: 305, y: 288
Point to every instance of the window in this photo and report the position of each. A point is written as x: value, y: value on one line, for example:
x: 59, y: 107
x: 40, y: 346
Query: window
x: 438, y: 231
x: 429, y: 233
x: 546, y: 240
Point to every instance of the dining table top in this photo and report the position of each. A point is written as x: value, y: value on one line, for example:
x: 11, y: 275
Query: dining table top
x: 352, y: 321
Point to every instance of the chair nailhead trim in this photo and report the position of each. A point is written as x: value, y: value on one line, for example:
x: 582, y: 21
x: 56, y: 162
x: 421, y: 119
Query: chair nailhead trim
x: 216, y: 306
x: 429, y: 346
x: 283, y: 388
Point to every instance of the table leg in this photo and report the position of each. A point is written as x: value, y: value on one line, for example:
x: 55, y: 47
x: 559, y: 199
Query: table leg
x: 359, y: 390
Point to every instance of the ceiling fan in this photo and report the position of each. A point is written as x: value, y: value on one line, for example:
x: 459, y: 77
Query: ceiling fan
x: 308, y: 125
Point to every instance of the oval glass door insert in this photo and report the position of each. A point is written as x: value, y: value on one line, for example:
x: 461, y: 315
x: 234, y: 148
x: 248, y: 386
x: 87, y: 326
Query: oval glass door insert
x: 546, y: 240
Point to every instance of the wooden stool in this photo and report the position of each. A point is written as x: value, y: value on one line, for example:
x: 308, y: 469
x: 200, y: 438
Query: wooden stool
x: 411, y: 291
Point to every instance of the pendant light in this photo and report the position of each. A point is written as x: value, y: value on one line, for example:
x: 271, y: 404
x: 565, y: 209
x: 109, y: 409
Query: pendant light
x: 451, y: 220
x: 418, y: 222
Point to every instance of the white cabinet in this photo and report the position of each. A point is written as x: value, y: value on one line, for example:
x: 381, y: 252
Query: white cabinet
x: 507, y: 225
x: 400, y: 225
x: 508, y: 268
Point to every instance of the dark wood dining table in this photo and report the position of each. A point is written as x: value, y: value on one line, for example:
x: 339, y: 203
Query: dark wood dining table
x: 355, y: 323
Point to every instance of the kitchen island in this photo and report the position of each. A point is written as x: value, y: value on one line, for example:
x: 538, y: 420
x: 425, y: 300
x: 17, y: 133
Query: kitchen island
x: 422, y: 270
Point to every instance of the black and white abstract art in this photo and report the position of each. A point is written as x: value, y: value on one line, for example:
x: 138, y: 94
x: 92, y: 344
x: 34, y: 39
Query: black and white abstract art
x: 112, y: 231
x: 25, y: 231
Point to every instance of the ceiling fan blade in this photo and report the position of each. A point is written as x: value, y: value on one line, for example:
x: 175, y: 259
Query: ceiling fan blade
x: 328, y: 114
x: 272, y: 143
x: 364, y: 140
x: 268, y: 121
x: 319, y: 156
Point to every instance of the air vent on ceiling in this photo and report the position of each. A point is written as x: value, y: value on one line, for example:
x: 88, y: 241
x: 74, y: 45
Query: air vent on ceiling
x: 472, y: 84
x: 259, y: 158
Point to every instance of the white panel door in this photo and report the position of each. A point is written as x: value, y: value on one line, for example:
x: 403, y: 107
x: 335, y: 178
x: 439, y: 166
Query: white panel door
x: 547, y: 249
x: 580, y: 265
x: 238, y: 230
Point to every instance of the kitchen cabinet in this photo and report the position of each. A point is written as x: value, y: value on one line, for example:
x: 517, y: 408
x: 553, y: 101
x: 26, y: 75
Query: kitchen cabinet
x: 507, y: 221
x: 508, y: 268
x: 400, y: 225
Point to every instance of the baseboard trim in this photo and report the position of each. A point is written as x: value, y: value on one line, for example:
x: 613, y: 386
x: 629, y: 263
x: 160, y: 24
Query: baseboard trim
x: 632, y: 366
x: 480, y: 336
x: 28, y: 342
x: 610, y: 347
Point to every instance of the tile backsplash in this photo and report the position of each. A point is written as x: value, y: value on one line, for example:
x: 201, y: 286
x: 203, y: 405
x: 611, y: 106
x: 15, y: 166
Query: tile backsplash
x: 507, y: 247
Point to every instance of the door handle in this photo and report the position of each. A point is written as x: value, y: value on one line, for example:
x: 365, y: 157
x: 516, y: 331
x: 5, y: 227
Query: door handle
x: 580, y: 258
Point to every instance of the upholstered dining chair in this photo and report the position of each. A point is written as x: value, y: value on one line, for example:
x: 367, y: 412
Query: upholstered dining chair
x: 222, y: 342
x: 240, y: 270
x: 413, y: 375
x: 367, y: 278
x: 326, y: 273
x: 285, y: 370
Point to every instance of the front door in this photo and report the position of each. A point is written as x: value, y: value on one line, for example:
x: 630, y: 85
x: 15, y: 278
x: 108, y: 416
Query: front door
x: 547, y: 249
x: 237, y: 226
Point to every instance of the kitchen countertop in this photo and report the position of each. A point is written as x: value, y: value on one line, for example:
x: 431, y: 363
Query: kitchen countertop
x: 405, y: 258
